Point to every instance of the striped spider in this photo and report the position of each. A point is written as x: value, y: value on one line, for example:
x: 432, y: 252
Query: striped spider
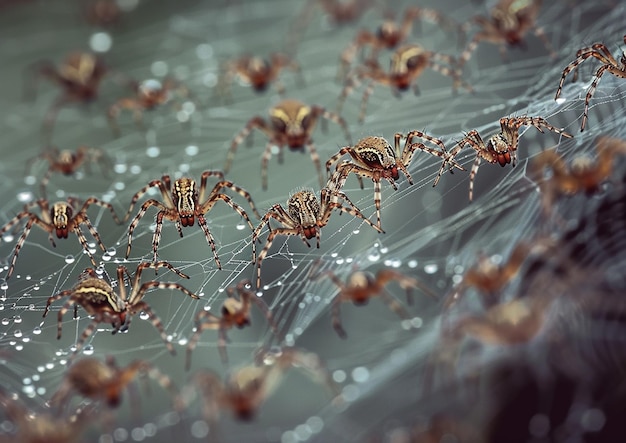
x: 68, y: 162
x: 375, y: 158
x: 609, y: 64
x: 99, y: 299
x: 235, y: 313
x: 60, y: 219
x: 500, y: 148
x: 291, y: 124
x: 149, y: 94
x: 183, y: 204
x: 97, y: 380
x: 305, y: 216
x: 408, y: 62
x: 361, y: 286
x: 508, y: 23
x: 256, y: 71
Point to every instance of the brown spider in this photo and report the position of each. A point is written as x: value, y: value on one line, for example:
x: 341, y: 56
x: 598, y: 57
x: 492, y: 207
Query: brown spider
x: 305, y: 216
x: 246, y: 388
x: 609, y: 63
x: 61, y: 219
x: 508, y: 23
x: 408, y: 63
x: 291, y: 123
x: 97, y: 380
x: 374, y: 157
x: 102, y: 13
x: 361, y: 286
x: 235, y: 313
x: 68, y: 162
x: 39, y: 427
x: 390, y: 34
x: 257, y: 72
x: 501, y: 148
x: 149, y: 94
x: 584, y: 174
x: 79, y: 75
x: 98, y: 297
x: 183, y: 203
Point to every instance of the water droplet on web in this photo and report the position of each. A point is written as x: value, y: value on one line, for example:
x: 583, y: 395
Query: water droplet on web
x: 8, y: 237
x: 373, y: 256
x: 153, y: 152
x: 30, y: 180
x: 182, y: 341
x: 69, y: 259
x: 241, y: 226
x: 144, y: 316
x: 36, y: 330
x: 106, y: 257
x: 431, y: 268
x: 4, y: 286
x: 17, y: 319
x: 88, y: 350
x: 25, y: 196
x: 191, y: 150
x: 5, y: 322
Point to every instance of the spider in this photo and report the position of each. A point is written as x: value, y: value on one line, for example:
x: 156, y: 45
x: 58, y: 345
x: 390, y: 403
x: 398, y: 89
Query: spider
x: 97, y: 380
x: 102, y: 13
x: 361, y: 286
x: 609, y: 63
x: 390, y: 34
x: 79, y: 75
x: 584, y: 174
x: 374, y: 157
x: 68, y: 162
x: 500, y: 148
x: 183, y: 203
x: 38, y: 427
x: 291, y: 123
x: 508, y: 23
x: 60, y: 219
x: 408, y: 62
x: 257, y: 72
x: 235, y: 313
x: 245, y: 389
x: 305, y: 216
x: 149, y: 94
x: 98, y: 297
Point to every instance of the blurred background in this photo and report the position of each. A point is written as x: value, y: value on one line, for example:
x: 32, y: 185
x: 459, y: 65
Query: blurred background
x: 401, y: 380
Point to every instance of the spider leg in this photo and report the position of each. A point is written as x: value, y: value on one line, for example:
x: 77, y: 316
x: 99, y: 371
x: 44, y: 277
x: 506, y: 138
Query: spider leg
x: 255, y: 122
x: 336, y: 317
x: 394, y: 305
x: 315, y: 158
x: 164, y: 185
x: 265, y: 158
x: 472, y: 175
x: 592, y: 89
x: 52, y: 299
x: 141, y: 305
x: 125, y: 103
x: 92, y: 200
x: 335, y: 118
x: 83, y: 241
x: 209, y: 238
x: 52, y: 113
x: 229, y: 201
x: 20, y: 242
x: 369, y: 89
x: 355, y: 212
x: 268, y: 244
x: 407, y: 283
x: 88, y: 332
x: 204, y: 320
x: 239, y: 190
x: 144, y: 207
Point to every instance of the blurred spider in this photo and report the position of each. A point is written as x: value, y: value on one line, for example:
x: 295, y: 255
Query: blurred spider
x: 102, y: 13
x: 291, y: 123
x: 78, y: 75
x: 149, y: 94
x: 584, y: 174
x: 390, y: 34
x: 257, y: 72
x: 508, y: 23
x: 361, y: 286
x: 245, y: 389
x: 68, y: 162
x: 305, y: 216
x: 39, y: 427
x: 98, y: 297
x: 182, y: 204
x: 609, y: 64
x: 407, y: 65
x: 235, y: 313
x: 500, y: 148
x: 374, y: 157
x: 61, y: 219
x: 105, y: 381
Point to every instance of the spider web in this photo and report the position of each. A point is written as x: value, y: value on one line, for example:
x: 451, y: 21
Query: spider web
x: 433, y: 234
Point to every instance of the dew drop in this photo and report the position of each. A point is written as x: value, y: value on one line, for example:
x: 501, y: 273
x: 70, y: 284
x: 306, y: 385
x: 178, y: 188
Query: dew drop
x: 153, y: 152
x: 36, y: 330
x: 241, y: 226
x: 106, y: 257
x: 5, y: 322
x: 100, y: 42
x: 30, y: 180
x: 88, y: 350
x: 560, y: 100
x: 431, y: 268
x: 144, y: 316
x: 191, y: 150
x: 17, y: 333
x: 374, y: 256
x: 4, y: 286
x: 25, y: 196
x: 17, y: 319
x: 69, y: 259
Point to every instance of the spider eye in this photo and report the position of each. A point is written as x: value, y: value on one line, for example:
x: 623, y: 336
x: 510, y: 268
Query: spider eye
x: 306, y: 121
x: 413, y: 62
x: 279, y: 124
